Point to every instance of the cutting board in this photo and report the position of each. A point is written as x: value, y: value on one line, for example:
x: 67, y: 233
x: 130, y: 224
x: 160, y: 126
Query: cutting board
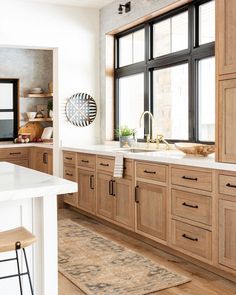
x: 34, y: 128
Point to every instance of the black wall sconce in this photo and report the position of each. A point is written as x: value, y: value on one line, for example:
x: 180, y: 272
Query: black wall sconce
x: 126, y: 6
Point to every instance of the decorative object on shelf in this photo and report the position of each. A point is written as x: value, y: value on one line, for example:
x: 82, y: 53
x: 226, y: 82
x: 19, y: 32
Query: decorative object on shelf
x: 50, y: 108
x: 81, y: 109
x: 50, y: 87
x: 36, y: 90
x: 39, y: 115
x: 196, y: 149
x: 126, y: 136
x: 40, y: 95
x: 35, y: 130
x: 43, y: 108
x: 22, y: 138
x: 31, y: 115
x: 126, y: 6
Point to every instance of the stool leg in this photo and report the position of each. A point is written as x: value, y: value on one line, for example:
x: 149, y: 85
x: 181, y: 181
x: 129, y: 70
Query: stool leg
x: 18, y: 268
x: 27, y: 267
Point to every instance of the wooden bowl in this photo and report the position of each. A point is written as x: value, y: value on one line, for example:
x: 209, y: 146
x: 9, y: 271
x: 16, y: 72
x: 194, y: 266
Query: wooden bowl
x: 196, y: 149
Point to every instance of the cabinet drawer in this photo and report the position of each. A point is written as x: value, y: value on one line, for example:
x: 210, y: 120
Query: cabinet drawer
x: 191, y: 206
x: 69, y: 173
x: 86, y: 160
x: 227, y: 185
x: 151, y: 171
x: 69, y: 158
x: 105, y: 164
x: 71, y: 199
x: 14, y: 153
x: 192, y: 239
x: 192, y: 178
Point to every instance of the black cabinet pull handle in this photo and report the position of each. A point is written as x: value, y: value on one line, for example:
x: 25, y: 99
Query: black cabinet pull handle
x: 191, y: 206
x: 231, y: 185
x: 84, y: 161
x: 136, y: 194
x: 189, y: 238
x: 69, y: 174
x: 113, y: 188
x: 16, y: 153
x: 45, y: 158
x: 68, y: 158
x: 149, y: 172
x: 110, y: 188
x: 103, y: 164
x: 91, y: 183
x: 189, y: 178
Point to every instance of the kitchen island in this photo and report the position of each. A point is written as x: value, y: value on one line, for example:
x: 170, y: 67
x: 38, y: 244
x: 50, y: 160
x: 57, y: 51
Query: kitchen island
x: 29, y: 198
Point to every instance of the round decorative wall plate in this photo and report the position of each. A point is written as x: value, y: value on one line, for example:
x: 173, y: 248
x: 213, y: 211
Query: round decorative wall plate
x: 81, y: 109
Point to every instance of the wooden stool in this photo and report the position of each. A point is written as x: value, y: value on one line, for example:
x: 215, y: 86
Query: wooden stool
x: 16, y: 239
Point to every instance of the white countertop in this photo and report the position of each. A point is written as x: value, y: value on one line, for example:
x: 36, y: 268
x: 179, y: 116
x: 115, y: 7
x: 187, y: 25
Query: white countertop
x: 161, y: 156
x: 17, y: 182
x: 10, y: 144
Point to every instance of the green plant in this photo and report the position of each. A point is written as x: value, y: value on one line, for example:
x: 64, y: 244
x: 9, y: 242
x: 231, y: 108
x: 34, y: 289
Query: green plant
x: 125, y: 131
x: 50, y: 105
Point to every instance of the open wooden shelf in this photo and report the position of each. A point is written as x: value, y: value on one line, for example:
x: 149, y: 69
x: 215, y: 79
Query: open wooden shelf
x: 41, y: 120
x: 40, y: 95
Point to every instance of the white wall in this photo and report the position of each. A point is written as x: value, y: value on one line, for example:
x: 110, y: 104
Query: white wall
x: 74, y: 34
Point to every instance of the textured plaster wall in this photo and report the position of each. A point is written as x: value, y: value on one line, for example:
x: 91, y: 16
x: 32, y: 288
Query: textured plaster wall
x: 109, y: 21
x: 34, y: 68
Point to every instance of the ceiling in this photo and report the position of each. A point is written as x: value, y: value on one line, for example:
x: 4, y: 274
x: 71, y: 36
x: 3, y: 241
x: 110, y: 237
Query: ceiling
x: 81, y: 3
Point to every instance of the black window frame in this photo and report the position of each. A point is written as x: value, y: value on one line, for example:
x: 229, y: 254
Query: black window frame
x: 15, y: 109
x: 191, y: 55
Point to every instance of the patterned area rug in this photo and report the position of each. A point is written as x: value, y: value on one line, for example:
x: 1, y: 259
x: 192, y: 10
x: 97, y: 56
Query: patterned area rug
x: 99, y: 266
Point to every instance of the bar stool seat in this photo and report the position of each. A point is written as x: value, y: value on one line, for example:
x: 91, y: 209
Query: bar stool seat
x: 9, y: 238
x: 14, y: 240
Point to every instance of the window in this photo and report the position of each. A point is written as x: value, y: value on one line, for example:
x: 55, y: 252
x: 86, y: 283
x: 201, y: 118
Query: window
x: 167, y: 66
x: 8, y: 108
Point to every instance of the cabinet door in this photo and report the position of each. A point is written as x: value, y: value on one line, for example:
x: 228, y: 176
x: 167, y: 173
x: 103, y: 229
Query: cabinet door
x: 123, y: 202
x: 225, y: 35
x: 227, y: 121
x: 227, y: 233
x: 151, y: 210
x: 105, y: 199
x: 86, y: 181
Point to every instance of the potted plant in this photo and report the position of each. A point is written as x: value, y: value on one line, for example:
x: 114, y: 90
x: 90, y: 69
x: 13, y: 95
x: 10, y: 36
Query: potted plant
x: 126, y: 136
x: 50, y: 108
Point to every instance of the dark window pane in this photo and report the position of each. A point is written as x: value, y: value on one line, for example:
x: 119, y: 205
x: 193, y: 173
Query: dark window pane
x: 131, y: 48
x: 170, y: 103
x: 206, y: 90
x: 170, y: 35
x: 207, y: 22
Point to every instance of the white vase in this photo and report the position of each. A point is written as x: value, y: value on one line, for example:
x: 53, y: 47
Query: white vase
x: 51, y: 114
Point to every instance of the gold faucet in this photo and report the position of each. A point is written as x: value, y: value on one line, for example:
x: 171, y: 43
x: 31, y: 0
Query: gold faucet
x: 159, y: 137
x: 140, y: 124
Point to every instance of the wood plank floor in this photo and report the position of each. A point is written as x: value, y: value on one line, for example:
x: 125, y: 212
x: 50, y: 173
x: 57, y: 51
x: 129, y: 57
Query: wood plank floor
x: 203, y: 282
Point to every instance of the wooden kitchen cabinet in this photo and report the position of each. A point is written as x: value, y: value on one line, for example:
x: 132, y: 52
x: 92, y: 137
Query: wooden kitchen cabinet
x: 18, y: 156
x: 86, y: 192
x: 123, y: 202
x: 41, y: 159
x: 225, y: 36
x: 105, y: 198
x: 227, y: 121
x: 227, y: 233
x: 115, y: 200
x: 69, y: 172
x: 151, y: 209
